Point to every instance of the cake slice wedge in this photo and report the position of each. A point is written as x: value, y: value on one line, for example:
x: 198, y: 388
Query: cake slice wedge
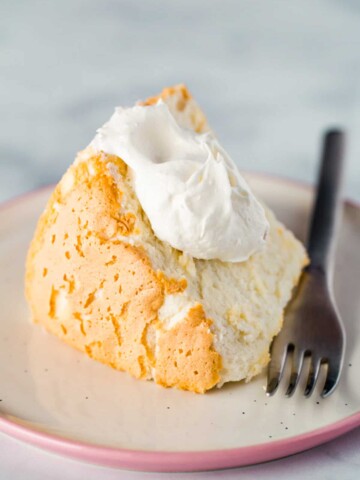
x: 99, y: 278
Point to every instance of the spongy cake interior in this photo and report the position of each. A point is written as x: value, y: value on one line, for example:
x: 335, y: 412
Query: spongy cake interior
x: 224, y: 314
x: 244, y: 300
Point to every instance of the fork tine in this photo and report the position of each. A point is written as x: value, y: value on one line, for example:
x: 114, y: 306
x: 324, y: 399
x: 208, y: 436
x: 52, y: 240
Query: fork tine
x: 297, y: 364
x: 332, y: 377
x: 315, y: 363
x: 276, y: 367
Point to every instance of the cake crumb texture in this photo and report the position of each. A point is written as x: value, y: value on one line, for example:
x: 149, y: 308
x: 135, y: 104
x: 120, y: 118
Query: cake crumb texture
x: 100, y: 294
x: 99, y: 279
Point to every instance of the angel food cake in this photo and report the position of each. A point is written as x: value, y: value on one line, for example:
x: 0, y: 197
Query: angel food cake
x: 154, y: 256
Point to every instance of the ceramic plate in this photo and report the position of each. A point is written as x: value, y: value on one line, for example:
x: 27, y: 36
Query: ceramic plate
x: 57, y: 398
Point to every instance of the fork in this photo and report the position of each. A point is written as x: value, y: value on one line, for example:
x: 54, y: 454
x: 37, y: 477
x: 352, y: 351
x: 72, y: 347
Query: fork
x: 312, y: 325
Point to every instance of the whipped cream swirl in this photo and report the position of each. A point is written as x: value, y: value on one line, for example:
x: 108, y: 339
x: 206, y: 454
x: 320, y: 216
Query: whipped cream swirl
x: 188, y: 186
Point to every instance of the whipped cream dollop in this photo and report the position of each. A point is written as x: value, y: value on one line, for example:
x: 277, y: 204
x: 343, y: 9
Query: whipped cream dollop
x: 188, y: 186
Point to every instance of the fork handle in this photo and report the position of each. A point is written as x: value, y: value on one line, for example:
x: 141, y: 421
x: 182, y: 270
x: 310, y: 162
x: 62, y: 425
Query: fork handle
x: 327, y: 207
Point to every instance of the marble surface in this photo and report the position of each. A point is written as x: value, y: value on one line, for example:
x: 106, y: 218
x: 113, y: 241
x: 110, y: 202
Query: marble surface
x: 270, y: 75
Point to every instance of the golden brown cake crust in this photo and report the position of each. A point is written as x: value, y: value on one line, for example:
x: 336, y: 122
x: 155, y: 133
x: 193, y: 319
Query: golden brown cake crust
x: 97, y: 277
x: 181, y: 351
x: 182, y: 104
x: 101, y: 295
x: 180, y: 90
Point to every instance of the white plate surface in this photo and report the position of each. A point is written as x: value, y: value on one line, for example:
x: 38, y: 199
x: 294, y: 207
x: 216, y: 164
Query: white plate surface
x: 46, y: 386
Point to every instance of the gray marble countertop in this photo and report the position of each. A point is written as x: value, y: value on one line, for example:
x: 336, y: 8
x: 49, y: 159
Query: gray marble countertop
x: 271, y: 77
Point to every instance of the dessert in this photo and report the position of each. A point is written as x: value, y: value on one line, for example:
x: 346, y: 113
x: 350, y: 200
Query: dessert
x: 154, y: 257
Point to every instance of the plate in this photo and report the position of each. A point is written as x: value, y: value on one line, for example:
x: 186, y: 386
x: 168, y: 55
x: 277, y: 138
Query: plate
x: 55, y: 397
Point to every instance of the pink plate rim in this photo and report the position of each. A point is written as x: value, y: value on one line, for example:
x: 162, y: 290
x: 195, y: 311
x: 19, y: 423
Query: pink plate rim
x: 167, y: 461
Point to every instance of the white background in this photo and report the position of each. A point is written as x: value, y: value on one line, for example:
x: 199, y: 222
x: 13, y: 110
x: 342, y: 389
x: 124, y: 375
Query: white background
x: 270, y: 76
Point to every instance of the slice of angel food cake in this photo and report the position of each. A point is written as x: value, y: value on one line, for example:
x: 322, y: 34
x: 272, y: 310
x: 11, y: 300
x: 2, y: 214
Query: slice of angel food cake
x: 154, y: 256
